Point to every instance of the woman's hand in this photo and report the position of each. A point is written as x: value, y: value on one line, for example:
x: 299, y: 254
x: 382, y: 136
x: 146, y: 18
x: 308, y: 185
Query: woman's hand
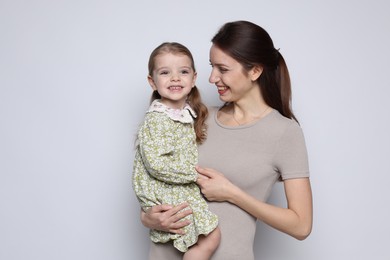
x: 166, y: 218
x: 214, y: 185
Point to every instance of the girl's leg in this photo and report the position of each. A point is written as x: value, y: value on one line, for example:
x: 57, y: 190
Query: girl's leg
x: 205, y: 247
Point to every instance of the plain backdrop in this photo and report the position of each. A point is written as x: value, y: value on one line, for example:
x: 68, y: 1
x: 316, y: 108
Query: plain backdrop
x: 73, y: 91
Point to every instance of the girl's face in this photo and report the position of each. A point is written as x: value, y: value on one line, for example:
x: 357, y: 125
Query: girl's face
x: 232, y: 81
x: 173, y: 78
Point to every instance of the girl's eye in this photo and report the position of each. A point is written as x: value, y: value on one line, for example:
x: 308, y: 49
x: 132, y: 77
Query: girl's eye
x: 185, y: 72
x: 164, y: 72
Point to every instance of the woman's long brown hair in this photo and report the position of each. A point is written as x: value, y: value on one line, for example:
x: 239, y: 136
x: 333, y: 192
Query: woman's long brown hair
x: 251, y: 45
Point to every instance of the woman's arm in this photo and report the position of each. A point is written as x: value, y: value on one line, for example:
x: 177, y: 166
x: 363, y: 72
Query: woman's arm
x: 166, y: 218
x: 295, y: 220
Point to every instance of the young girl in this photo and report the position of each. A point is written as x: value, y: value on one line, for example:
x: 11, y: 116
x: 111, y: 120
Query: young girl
x: 166, y: 151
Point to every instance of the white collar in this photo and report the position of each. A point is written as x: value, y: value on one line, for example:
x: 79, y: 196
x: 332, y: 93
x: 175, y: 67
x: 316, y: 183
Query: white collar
x: 185, y: 115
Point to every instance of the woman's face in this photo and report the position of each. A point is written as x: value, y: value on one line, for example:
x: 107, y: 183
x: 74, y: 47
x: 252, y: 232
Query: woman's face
x: 232, y: 81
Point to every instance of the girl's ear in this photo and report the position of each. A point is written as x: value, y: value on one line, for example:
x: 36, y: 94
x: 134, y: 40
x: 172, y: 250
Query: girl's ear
x: 151, y: 82
x: 256, y: 72
x: 194, y: 79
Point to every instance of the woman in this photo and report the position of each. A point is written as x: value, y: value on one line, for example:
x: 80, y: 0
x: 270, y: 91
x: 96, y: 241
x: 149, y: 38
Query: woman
x: 254, y: 140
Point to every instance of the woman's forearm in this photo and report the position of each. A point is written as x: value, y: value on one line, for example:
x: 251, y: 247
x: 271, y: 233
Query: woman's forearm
x: 166, y: 218
x: 295, y: 220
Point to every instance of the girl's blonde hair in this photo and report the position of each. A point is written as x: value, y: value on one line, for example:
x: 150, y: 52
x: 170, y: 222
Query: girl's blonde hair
x: 194, y: 98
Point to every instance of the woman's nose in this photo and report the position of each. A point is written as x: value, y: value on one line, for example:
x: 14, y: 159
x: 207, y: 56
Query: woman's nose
x: 213, y: 77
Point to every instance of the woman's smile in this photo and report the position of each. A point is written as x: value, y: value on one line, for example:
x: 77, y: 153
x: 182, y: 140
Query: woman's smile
x: 222, y: 89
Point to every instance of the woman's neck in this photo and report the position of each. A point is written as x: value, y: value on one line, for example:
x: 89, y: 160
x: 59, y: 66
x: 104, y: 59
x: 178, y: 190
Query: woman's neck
x: 236, y: 114
x: 247, y: 113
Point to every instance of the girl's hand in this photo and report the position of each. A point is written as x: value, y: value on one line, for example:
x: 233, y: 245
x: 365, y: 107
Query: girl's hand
x: 166, y: 218
x: 214, y: 185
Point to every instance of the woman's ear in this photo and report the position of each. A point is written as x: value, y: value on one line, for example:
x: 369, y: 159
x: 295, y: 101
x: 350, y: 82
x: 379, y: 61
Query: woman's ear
x: 151, y: 82
x: 255, y: 72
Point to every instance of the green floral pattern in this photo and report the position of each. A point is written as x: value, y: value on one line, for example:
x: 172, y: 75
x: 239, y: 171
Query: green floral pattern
x: 164, y: 173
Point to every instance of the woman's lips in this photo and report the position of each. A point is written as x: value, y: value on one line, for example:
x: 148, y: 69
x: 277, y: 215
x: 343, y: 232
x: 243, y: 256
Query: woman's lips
x: 222, y: 89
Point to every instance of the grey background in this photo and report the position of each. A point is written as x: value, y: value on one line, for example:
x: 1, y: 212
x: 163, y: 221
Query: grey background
x: 73, y: 90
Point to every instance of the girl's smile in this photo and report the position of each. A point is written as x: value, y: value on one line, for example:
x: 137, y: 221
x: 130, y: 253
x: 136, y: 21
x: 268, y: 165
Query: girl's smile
x: 173, y: 78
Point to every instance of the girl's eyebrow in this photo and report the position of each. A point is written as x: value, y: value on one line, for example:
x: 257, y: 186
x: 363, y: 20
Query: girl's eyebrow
x: 168, y: 68
x: 163, y: 67
x: 186, y: 67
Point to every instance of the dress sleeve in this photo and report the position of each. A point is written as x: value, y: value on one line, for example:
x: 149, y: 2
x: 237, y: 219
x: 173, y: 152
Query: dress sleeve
x: 158, y: 140
x: 291, y: 158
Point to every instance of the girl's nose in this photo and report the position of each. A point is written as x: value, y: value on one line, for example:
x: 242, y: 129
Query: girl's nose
x: 175, y: 77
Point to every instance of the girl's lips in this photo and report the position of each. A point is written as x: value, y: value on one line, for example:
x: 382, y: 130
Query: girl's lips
x: 175, y: 88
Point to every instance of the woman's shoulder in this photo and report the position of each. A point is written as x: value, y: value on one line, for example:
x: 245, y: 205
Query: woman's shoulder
x: 277, y: 117
x: 213, y: 108
x: 280, y: 124
x: 212, y: 111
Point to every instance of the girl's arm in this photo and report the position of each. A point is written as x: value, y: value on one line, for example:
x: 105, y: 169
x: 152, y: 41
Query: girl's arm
x: 295, y: 220
x: 157, y: 145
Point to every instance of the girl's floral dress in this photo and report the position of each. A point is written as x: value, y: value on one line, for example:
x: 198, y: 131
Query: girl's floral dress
x: 164, y: 171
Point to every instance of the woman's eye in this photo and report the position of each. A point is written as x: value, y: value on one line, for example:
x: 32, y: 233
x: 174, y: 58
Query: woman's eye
x: 223, y: 70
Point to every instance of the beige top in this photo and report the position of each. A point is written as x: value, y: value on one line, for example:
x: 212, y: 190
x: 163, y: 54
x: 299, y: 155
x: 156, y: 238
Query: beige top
x: 253, y: 157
